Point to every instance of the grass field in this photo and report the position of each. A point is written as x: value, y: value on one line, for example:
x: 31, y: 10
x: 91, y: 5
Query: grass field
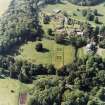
x: 71, y: 8
x: 6, y: 96
x: 28, y: 52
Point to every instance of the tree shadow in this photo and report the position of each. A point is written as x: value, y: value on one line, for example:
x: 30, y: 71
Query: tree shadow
x: 99, y: 14
x: 60, y: 2
x: 65, y: 42
x: 100, y: 23
x: 45, y: 50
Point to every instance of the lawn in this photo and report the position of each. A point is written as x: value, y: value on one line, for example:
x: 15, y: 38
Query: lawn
x: 82, y: 53
x: 101, y: 52
x: 55, y: 53
x: 71, y: 8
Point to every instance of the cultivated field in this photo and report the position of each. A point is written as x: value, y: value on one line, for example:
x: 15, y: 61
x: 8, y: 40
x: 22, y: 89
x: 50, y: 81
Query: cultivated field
x: 54, y: 53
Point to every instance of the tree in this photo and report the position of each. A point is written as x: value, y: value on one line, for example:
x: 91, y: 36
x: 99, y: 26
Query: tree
x: 96, y: 20
x: 102, y: 29
x: 101, y: 76
x: 46, y: 19
x: 59, y: 39
x: 78, y: 41
x: 93, y: 102
x: 75, y: 98
x: 39, y: 47
x: 24, y: 78
x: 101, y: 94
x: 97, y: 30
x: 90, y: 17
x: 51, y: 70
x: 21, y: 21
x: 84, y: 12
x: 102, y: 44
x: 49, y: 31
x: 32, y: 101
x: 62, y: 71
x: 13, y: 71
x: 65, y: 14
x: 95, y: 12
x: 88, y: 30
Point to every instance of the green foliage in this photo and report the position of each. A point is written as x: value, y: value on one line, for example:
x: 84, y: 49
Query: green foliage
x: 102, y: 44
x: 47, y: 90
x: 19, y: 23
x: 75, y: 98
x: 51, y: 70
x: 102, y: 29
x: 49, y: 31
x: 93, y: 102
x: 101, y: 76
x: 101, y: 94
x: 96, y: 20
x: 85, y: 2
x: 46, y: 19
x: 78, y: 41
x: 95, y: 12
x: 84, y: 12
x: 90, y: 17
